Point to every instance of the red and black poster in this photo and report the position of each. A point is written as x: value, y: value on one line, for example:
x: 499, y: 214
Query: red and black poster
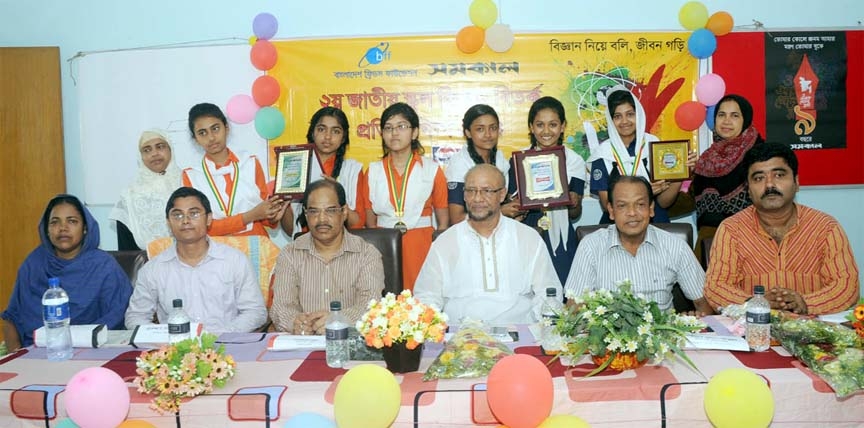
x: 805, y: 83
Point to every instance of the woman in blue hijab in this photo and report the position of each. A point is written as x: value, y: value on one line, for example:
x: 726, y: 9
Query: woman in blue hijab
x: 98, y: 288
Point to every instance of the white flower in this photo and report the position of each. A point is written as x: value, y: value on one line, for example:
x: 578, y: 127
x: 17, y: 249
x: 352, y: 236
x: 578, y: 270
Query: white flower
x: 632, y: 346
x: 600, y: 310
x: 614, y: 345
x: 648, y: 317
x: 615, y: 316
x: 644, y: 329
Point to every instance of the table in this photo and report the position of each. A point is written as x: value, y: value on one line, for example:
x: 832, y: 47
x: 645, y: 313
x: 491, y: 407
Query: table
x: 301, y: 381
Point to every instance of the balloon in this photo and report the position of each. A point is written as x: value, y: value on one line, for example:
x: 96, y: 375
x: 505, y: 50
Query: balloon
x: 368, y: 396
x: 264, y: 55
x: 702, y: 43
x: 265, y: 25
x: 710, y: 88
x: 689, y: 115
x: 470, y: 39
x: 738, y: 398
x: 720, y: 23
x: 66, y: 423
x: 693, y: 15
x: 519, y: 391
x: 241, y: 109
x: 483, y: 13
x: 309, y: 420
x: 709, y: 116
x: 97, y: 397
x: 131, y: 423
x: 269, y: 123
x: 499, y: 38
x: 564, y: 421
x: 266, y: 90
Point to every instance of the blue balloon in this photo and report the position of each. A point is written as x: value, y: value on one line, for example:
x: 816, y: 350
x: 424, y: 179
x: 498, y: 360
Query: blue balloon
x: 269, y: 123
x: 702, y: 43
x: 265, y: 26
x: 309, y: 420
x: 709, y: 117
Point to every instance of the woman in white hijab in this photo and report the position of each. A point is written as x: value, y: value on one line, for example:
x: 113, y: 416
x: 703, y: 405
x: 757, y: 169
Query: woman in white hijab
x: 140, y: 212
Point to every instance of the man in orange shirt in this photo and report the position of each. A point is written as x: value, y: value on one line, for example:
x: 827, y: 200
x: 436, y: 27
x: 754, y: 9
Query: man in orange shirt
x: 801, y: 255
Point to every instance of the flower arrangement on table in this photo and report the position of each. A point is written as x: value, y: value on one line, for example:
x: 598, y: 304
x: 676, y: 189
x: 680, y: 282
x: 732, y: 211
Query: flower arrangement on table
x: 621, y: 330
x: 185, y: 369
x: 856, y: 317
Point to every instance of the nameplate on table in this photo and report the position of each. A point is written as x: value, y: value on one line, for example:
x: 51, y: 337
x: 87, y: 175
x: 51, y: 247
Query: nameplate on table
x: 713, y: 341
x: 290, y: 342
x: 152, y: 335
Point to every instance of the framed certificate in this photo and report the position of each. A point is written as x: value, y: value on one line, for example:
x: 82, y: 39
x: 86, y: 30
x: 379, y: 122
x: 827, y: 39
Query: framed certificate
x: 541, y: 178
x: 292, y: 170
x: 668, y: 160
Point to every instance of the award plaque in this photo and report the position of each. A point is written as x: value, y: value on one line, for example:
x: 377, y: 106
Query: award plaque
x: 293, y: 164
x: 669, y: 160
x: 541, y: 178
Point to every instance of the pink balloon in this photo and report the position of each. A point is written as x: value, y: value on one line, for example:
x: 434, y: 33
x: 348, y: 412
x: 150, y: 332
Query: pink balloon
x: 97, y: 397
x: 241, y: 109
x: 520, y: 391
x: 709, y: 89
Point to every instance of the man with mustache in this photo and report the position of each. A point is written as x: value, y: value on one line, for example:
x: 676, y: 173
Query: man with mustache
x: 801, y: 255
x: 489, y: 267
x: 326, y: 264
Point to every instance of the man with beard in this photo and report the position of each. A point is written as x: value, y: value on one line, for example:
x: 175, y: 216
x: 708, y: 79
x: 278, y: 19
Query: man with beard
x: 490, y: 267
x: 326, y: 264
x: 801, y: 255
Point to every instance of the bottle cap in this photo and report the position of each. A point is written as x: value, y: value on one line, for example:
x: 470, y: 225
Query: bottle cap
x: 551, y: 292
x: 53, y: 282
x: 335, y: 305
x: 759, y: 289
x: 178, y: 303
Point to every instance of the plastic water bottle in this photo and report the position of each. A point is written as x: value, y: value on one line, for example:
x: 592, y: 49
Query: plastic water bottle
x: 758, y: 331
x: 337, y: 349
x: 549, y: 312
x: 55, y: 313
x: 178, y: 323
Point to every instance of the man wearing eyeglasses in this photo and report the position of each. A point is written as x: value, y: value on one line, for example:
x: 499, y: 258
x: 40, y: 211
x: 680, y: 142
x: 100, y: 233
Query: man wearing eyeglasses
x: 217, y: 284
x: 326, y: 264
x: 489, y: 267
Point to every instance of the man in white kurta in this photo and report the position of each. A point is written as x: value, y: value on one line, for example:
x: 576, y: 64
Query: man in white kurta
x: 490, y: 267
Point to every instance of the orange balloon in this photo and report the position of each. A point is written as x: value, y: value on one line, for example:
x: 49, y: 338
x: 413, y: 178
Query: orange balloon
x: 720, y: 23
x: 136, y: 424
x: 520, y: 391
x: 265, y: 90
x: 470, y: 39
x: 263, y: 55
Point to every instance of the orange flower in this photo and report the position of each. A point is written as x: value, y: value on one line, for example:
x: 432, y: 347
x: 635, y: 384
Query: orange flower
x: 411, y: 343
x: 859, y: 312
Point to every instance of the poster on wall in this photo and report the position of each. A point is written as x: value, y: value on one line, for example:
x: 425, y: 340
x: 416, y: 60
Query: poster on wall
x: 363, y: 76
x: 805, y: 79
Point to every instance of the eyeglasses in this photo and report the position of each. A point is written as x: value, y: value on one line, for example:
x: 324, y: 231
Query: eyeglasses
x: 179, y: 216
x: 486, y: 193
x: 329, y: 211
x: 398, y: 128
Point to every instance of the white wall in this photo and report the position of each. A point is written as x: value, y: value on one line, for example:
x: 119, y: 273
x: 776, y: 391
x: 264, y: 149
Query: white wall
x: 90, y: 25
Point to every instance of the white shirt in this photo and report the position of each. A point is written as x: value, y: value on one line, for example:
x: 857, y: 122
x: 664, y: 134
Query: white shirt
x: 501, y: 279
x: 661, y: 260
x: 221, y: 291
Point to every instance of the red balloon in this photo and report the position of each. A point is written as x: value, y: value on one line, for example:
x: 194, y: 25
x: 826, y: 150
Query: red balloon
x: 263, y: 55
x: 690, y: 115
x: 520, y: 391
x: 266, y: 90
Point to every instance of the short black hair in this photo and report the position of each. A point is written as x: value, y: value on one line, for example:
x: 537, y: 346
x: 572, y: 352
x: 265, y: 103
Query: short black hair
x: 205, y: 110
x: 765, y: 151
x: 322, y: 183
x: 59, y: 200
x: 185, y: 192
x: 616, y: 177
x: 407, y: 112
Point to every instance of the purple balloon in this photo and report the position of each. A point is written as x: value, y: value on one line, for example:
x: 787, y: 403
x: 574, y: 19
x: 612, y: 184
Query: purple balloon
x: 264, y: 26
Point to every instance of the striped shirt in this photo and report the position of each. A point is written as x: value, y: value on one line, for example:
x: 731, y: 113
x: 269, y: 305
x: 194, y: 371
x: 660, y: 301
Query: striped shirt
x: 660, y: 261
x: 305, y: 283
x: 814, y: 259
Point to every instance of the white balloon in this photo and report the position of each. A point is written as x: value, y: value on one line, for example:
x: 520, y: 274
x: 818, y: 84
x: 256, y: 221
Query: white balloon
x: 499, y: 37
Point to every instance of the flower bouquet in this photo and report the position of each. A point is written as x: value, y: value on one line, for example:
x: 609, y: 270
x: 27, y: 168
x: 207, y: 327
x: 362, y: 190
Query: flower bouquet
x: 856, y: 317
x: 185, y: 369
x: 400, y: 324
x: 471, y: 352
x: 621, y: 330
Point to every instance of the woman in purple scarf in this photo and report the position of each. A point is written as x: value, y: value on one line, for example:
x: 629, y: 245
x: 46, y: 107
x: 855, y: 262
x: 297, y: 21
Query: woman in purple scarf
x: 98, y: 288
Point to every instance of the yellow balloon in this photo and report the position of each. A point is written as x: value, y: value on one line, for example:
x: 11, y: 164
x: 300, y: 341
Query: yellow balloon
x: 368, y: 396
x: 483, y: 13
x: 693, y: 15
x: 738, y: 398
x: 252, y: 40
x: 136, y: 424
x: 564, y: 421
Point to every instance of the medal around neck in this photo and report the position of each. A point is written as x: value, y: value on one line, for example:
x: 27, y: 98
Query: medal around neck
x: 401, y: 226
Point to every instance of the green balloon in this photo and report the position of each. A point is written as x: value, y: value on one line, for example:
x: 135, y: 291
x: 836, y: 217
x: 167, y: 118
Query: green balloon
x: 269, y: 123
x: 67, y: 423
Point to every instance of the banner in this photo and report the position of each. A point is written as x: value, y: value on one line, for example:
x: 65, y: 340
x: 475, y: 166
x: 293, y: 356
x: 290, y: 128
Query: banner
x: 363, y: 76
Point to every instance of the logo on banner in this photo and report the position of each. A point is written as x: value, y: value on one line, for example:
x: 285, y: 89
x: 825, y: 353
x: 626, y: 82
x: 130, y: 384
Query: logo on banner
x: 375, y: 55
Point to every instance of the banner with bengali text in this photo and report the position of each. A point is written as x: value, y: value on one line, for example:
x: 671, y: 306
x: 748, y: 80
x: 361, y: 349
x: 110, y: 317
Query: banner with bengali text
x: 363, y: 76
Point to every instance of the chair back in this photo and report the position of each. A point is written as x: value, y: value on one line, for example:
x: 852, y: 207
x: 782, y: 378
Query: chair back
x: 131, y: 261
x: 389, y: 244
x: 706, y: 251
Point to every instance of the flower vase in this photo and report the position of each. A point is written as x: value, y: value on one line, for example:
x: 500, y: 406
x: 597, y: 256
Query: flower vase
x: 620, y: 361
x: 400, y: 359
